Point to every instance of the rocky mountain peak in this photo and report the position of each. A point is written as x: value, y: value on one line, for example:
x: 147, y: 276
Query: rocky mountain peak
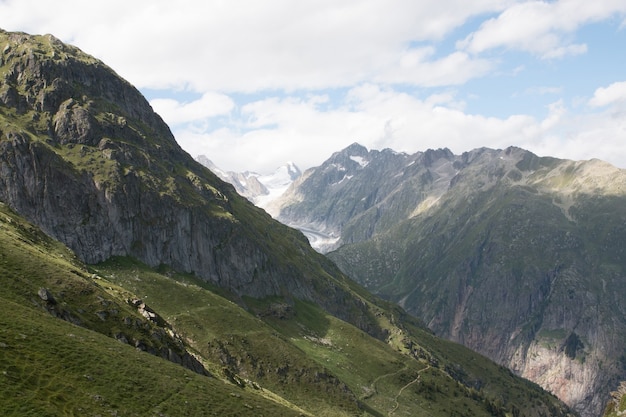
x: 293, y: 170
x: 42, y: 74
x: 430, y: 156
x: 84, y: 157
x: 355, y: 149
x: 283, y: 176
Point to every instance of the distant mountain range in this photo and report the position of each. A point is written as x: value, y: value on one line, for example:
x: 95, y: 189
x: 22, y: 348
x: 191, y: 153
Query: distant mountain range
x: 519, y: 257
x: 259, y: 189
x: 136, y: 282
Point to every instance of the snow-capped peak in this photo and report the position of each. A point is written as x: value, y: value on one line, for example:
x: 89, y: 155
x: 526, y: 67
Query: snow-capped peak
x: 283, y: 176
x: 260, y: 189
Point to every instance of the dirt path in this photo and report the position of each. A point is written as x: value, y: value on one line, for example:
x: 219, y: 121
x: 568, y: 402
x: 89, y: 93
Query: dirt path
x: 405, y: 387
x: 372, y: 389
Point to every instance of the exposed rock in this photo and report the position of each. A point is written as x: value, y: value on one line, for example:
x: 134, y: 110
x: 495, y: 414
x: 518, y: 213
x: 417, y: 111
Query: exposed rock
x: 279, y: 310
x: 121, y: 337
x: 46, y: 296
x: 147, y: 312
x: 102, y: 315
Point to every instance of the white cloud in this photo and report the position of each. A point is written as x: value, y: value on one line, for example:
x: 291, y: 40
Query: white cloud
x: 248, y: 45
x: 584, y: 137
x: 281, y: 129
x: 417, y: 67
x: 209, y: 105
x: 540, y: 91
x: 605, y: 96
x: 324, y: 74
x: 540, y: 27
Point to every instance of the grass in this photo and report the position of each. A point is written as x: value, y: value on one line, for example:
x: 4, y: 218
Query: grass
x: 52, y: 368
x: 233, y: 340
x: 323, y: 364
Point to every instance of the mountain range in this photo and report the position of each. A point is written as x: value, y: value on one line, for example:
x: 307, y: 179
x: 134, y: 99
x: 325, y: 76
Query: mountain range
x: 516, y: 256
x: 259, y: 189
x: 136, y: 282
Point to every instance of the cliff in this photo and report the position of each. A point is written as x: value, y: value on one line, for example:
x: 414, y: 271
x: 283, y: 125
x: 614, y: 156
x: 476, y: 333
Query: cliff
x: 515, y: 256
x: 83, y: 156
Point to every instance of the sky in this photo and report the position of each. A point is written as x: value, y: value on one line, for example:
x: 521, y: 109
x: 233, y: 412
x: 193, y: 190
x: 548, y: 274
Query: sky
x: 253, y: 84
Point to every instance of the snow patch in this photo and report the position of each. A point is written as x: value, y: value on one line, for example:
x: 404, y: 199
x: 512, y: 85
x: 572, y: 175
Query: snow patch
x: 360, y: 160
x: 345, y: 178
x: 277, y: 183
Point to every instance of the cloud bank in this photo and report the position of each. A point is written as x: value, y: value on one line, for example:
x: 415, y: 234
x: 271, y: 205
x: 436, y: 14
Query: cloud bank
x: 253, y: 84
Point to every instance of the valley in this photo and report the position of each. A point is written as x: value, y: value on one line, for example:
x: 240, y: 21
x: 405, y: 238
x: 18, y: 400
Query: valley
x: 136, y: 282
x: 513, y: 255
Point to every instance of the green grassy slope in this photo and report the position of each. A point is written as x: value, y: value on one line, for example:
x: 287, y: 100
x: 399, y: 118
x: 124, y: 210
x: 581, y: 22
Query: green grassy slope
x: 325, y: 363
x: 275, y: 357
x: 52, y: 367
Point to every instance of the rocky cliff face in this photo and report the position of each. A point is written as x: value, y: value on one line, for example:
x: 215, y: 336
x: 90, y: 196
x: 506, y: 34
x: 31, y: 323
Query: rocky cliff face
x: 357, y: 193
x: 518, y: 257
x: 83, y: 156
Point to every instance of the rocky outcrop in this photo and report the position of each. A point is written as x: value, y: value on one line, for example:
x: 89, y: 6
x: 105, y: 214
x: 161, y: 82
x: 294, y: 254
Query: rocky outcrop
x: 615, y: 407
x: 150, y: 333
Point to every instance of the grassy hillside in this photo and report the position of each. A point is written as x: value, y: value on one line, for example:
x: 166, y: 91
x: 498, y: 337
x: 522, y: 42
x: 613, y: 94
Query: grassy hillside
x: 326, y: 363
x: 73, y: 353
x: 53, y: 367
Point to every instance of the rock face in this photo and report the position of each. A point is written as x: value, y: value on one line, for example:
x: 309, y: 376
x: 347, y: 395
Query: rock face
x: 357, y: 193
x: 518, y: 257
x: 83, y: 156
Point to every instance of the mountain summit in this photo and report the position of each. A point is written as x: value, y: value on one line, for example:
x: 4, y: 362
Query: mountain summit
x: 84, y: 157
x: 518, y: 257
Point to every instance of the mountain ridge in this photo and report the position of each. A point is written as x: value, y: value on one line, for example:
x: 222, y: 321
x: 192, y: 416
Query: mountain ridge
x: 500, y: 250
x: 141, y: 196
